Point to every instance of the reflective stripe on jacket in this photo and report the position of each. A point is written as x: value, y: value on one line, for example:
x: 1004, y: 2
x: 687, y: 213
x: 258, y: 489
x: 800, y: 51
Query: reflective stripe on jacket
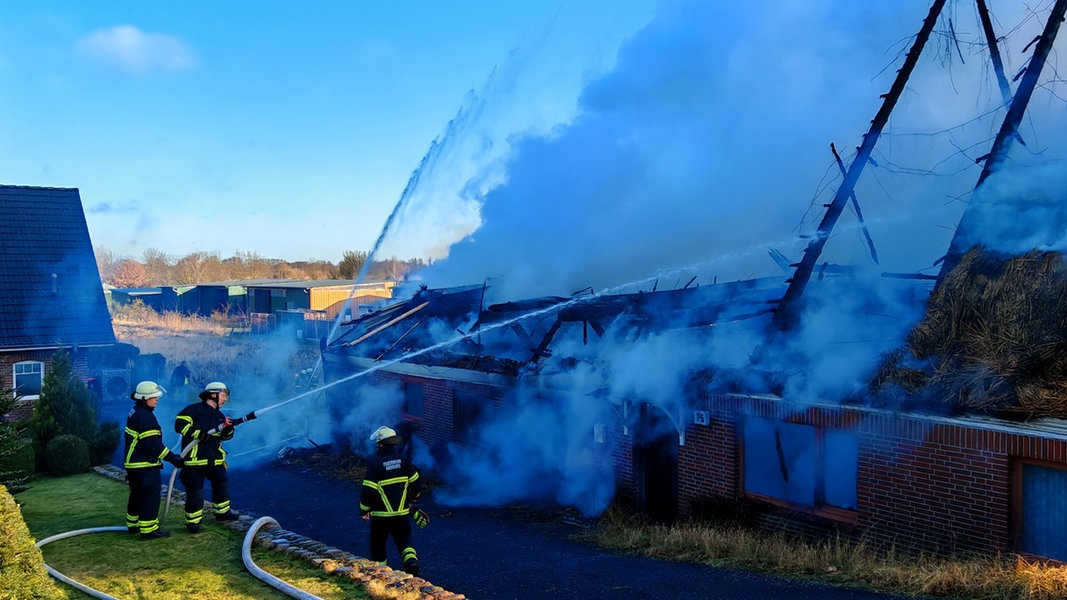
x: 191, y: 422
x: 144, y: 447
x: 391, y: 483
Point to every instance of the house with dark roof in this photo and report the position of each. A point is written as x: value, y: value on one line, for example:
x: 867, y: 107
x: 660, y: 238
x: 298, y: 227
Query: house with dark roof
x: 51, y: 296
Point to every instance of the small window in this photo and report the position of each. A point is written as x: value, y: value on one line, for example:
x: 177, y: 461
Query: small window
x: 1038, y: 510
x: 468, y: 410
x: 414, y: 400
x: 803, y: 465
x: 29, y: 375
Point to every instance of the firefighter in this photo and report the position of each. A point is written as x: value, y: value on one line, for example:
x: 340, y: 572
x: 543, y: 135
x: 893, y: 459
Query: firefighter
x: 144, y: 449
x: 207, y: 459
x: 390, y: 487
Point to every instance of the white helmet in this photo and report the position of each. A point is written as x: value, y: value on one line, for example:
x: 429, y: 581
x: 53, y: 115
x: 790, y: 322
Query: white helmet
x: 213, y: 389
x: 146, y: 390
x: 384, y: 435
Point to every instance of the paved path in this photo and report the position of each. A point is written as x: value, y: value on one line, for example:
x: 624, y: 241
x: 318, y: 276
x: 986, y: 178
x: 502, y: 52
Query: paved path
x: 506, y: 554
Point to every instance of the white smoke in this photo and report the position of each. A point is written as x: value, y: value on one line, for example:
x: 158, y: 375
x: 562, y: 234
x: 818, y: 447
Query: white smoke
x: 710, y: 137
x: 705, y: 146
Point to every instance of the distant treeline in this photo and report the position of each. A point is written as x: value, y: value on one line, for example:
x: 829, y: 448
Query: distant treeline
x: 156, y: 268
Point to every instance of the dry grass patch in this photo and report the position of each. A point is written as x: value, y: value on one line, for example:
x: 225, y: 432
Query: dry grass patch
x: 210, y: 349
x: 837, y: 561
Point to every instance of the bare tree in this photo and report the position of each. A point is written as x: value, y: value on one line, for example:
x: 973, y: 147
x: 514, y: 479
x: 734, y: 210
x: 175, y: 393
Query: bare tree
x: 128, y: 273
x: 351, y: 263
x: 105, y: 262
x: 158, y: 266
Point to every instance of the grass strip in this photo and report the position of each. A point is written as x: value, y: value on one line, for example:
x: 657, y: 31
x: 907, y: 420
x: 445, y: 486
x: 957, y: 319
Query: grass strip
x: 838, y: 561
x: 206, y: 566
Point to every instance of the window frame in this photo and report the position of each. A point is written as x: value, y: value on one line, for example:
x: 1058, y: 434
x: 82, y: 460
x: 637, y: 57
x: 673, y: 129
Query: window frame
x: 819, y: 506
x: 15, y: 375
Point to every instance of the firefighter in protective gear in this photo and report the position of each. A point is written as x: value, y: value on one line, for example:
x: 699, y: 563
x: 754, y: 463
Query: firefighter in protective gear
x: 390, y: 487
x: 143, y: 452
x: 207, y: 459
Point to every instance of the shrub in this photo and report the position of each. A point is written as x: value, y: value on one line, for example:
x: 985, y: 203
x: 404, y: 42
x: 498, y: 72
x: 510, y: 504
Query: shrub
x: 67, y: 455
x: 65, y: 406
x: 16, y: 462
x: 62, y: 407
x: 16, y: 453
x: 103, y: 445
x: 22, y: 573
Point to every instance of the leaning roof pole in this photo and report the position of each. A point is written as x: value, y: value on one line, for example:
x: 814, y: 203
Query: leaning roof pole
x: 1009, y: 128
x: 994, y: 51
x: 785, y: 316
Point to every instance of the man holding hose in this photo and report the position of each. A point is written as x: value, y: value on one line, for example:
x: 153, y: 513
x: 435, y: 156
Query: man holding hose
x: 204, y: 421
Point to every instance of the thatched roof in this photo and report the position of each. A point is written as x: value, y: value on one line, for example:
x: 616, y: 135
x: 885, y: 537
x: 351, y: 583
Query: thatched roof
x: 994, y: 339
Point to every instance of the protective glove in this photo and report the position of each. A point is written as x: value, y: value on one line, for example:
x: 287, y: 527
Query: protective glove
x: 421, y: 518
x: 175, y: 460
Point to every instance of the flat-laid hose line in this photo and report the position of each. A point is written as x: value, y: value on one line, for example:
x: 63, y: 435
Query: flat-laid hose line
x: 246, y: 558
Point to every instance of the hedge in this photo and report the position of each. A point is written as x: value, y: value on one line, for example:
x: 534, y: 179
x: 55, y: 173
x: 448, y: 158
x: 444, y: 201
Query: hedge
x: 22, y: 572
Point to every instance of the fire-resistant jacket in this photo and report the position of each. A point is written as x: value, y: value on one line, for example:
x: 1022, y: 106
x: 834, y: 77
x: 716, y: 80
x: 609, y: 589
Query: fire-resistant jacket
x: 195, y: 420
x: 390, y: 485
x: 143, y: 439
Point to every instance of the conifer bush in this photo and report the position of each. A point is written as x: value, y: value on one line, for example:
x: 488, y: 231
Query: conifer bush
x: 16, y: 454
x: 102, y: 447
x: 65, y: 406
x: 22, y: 573
x: 67, y: 454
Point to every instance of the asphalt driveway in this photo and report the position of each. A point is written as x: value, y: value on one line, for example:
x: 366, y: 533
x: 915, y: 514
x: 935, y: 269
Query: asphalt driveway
x: 507, y: 553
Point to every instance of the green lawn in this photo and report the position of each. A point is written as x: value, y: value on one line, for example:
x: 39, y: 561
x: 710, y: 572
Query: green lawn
x: 206, y: 566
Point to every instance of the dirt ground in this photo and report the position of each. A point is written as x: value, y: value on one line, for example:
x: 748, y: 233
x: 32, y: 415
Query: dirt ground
x: 520, y: 553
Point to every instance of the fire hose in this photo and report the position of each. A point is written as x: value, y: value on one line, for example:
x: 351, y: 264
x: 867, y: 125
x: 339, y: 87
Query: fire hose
x: 188, y: 448
x: 246, y: 558
x: 235, y: 422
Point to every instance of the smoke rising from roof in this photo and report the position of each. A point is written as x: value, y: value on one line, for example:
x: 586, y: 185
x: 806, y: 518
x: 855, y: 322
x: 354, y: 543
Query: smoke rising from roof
x: 710, y: 137
x: 697, y: 153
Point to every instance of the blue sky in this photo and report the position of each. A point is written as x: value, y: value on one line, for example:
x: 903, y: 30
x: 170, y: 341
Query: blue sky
x: 281, y: 128
x: 558, y: 145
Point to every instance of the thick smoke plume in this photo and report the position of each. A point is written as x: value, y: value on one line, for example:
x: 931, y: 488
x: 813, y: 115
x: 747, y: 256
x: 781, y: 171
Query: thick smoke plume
x: 704, y: 147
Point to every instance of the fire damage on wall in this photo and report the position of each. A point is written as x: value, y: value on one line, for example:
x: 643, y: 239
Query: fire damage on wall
x: 748, y: 414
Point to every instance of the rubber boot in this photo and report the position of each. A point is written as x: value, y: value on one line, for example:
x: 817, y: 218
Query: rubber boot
x: 411, y: 567
x: 155, y: 535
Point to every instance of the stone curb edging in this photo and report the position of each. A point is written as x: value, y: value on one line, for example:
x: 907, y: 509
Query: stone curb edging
x: 379, y: 581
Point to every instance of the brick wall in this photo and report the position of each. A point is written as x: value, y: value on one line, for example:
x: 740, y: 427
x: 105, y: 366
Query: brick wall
x: 24, y: 409
x: 926, y: 483
x: 923, y: 482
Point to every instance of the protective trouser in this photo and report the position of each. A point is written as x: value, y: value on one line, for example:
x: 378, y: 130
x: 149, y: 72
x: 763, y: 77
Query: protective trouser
x: 400, y: 528
x: 193, y: 480
x: 142, y: 509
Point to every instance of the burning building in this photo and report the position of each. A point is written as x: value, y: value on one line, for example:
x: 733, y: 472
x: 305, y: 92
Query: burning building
x: 796, y: 400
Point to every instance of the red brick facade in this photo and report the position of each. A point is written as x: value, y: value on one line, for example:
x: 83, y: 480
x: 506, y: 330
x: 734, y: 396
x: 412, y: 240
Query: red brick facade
x: 24, y: 410
x: 940, y: 484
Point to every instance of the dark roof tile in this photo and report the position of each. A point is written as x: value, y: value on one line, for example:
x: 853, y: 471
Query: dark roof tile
x: 50, y: 290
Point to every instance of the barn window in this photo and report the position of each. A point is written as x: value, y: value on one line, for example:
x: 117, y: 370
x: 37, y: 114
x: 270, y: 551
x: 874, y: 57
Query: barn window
x: 801, y: 465
x: 414, y: 399
x: 1039, y: 509
x: 468, y: 410
x: 29, y: 375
